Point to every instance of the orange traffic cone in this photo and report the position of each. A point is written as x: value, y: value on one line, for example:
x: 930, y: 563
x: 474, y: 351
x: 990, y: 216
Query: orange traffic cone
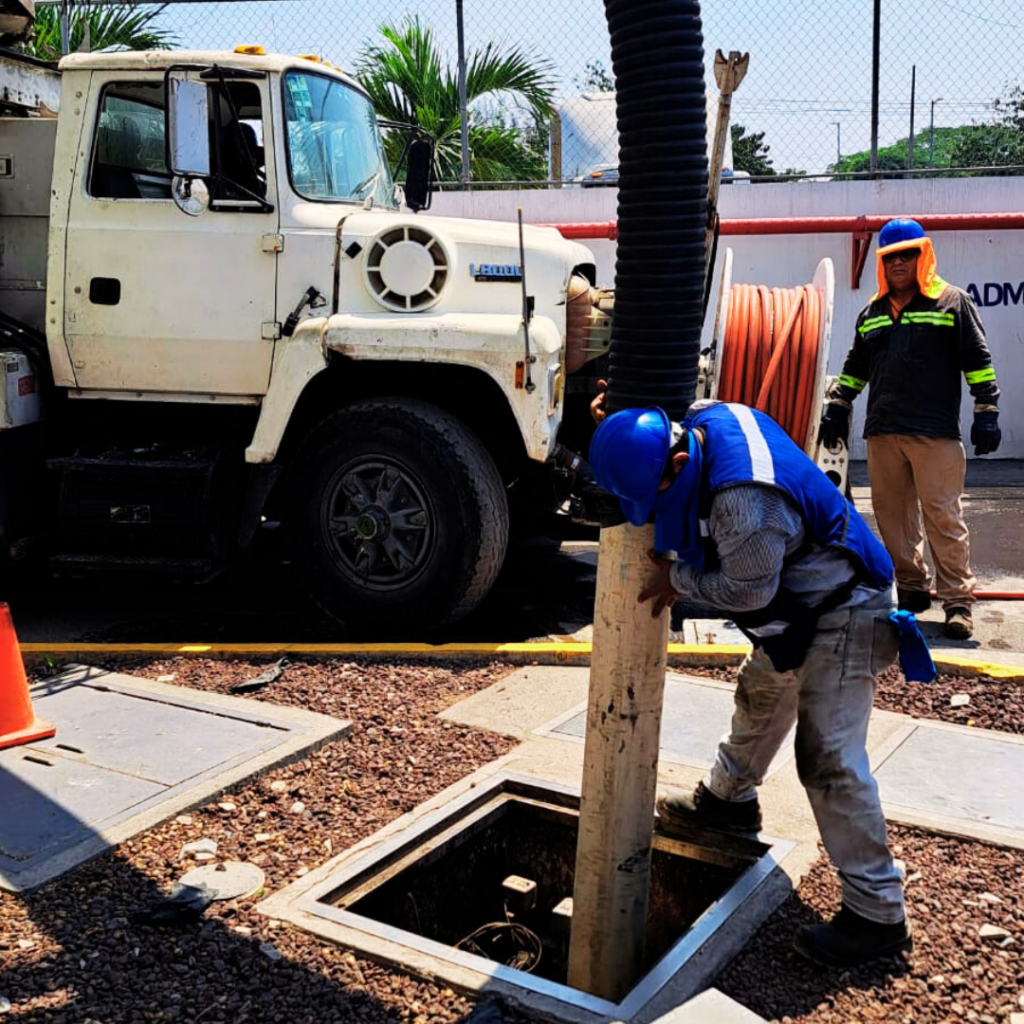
x: 18, y: 722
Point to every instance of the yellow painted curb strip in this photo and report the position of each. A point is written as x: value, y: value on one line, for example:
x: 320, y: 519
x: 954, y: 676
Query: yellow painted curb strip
x: 557, y: 653
x: 971, y: 666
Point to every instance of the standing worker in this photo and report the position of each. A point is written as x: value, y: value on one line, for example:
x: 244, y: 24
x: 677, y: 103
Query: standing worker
x: 913, y: 340
x: 761, y: 534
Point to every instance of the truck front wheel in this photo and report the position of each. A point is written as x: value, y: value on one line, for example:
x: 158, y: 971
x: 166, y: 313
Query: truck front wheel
x: 398, y: 521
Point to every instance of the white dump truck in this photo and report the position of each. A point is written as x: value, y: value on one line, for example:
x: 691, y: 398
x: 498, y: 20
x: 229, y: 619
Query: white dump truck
x: 216, y: 314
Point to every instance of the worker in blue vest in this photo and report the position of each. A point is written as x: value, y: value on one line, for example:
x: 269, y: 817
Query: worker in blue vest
x: 759, y: 532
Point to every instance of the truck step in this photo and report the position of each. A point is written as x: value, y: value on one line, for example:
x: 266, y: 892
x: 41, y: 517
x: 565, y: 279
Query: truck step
x: 200, y: 570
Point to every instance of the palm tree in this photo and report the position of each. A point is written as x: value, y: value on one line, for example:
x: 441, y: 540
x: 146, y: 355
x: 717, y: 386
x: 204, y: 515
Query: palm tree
x: 408, y: 82
x: 111, y: 27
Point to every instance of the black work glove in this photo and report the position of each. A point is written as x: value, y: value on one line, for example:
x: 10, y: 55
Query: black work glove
x: 985, y: 433
x: 595, y: 507
x: 835, y: 425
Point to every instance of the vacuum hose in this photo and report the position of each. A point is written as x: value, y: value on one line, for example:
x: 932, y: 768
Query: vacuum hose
x: 658, y: 60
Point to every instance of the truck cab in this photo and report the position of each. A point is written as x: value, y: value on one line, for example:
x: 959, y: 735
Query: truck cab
x: 244, y: 325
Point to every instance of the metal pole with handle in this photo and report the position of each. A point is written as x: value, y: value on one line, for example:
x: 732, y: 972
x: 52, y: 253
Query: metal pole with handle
x: 729, y: 72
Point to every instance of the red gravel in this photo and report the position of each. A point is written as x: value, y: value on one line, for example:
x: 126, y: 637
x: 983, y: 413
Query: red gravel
x: 995, y: 703
x: 952, y: 975
x: 70, y: 954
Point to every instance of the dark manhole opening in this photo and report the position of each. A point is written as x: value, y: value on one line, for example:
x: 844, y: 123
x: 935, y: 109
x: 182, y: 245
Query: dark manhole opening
x: 452, y: 884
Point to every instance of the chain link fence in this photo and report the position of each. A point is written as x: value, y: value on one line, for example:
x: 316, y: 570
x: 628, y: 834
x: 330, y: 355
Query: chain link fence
x: 540, y: 101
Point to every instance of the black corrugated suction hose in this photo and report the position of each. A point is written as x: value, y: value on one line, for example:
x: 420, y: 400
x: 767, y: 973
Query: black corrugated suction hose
x: 658, y: 60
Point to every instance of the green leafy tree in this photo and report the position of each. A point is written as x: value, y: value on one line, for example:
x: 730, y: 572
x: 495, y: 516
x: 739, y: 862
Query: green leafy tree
x: 973, y: 145
x: 1010, y: 107
x: 408, y: 82
x: 110, y: 27
x: 987, y: 145
x: 749, y: 152
x: 595, y: 78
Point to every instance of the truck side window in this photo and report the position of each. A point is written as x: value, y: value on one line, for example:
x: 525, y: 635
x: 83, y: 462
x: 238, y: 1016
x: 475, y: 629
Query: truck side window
x: 237, y: 145
x: 128, y: 158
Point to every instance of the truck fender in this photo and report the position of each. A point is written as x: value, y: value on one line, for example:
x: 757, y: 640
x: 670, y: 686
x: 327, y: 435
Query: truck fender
x: 297, y: 360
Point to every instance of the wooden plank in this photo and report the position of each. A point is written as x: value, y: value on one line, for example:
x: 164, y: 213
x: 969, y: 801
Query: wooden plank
x: 620, y: 771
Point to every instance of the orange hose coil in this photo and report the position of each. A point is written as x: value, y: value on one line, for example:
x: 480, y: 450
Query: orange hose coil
x: 769, y: 356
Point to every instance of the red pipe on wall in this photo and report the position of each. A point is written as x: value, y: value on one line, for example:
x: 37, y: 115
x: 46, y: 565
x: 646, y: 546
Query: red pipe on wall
x: 860, y: 228
x: 818, y: 225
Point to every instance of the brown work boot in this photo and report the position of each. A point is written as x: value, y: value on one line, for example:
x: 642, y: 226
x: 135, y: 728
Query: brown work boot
x: 850, y: 939
x: 959, y: 624
x: 681, y: 812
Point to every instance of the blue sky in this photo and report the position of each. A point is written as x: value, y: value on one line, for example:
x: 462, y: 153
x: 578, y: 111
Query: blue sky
x: 810, y: 61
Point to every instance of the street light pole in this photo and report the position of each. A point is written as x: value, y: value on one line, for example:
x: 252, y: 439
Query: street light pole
x: 913, y: 98
x: 463, y: 114
x: 839, y: 148
x: 876, y: 46
x: 931, y: 135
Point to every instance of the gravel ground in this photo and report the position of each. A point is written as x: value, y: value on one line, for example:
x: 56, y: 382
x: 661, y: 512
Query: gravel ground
x: 71, y: 954
x: 994, y: 703
x: 954, y: 887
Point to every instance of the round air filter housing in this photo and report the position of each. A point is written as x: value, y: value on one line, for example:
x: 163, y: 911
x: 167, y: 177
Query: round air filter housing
x: 407, y: 269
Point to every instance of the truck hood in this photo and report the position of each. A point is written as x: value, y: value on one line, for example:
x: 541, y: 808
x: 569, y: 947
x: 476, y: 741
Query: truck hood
x: 500, y: 236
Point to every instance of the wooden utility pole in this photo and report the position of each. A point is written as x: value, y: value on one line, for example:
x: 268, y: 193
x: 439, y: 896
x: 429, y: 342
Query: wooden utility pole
x: 620, y: 772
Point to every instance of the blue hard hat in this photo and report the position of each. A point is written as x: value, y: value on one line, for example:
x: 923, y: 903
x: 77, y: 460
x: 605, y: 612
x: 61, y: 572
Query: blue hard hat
x: 628, y: 455
x: 902, y: 229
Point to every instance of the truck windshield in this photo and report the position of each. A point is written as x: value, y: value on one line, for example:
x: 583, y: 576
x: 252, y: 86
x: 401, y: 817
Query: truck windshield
x: 334, y: 147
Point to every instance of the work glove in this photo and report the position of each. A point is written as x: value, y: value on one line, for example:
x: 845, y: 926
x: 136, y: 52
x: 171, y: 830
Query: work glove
x: 592, y: 506
x: 835, y: 425
x: 985, y: 433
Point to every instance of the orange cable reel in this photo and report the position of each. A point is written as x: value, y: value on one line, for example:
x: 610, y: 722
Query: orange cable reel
x: 770, y: 353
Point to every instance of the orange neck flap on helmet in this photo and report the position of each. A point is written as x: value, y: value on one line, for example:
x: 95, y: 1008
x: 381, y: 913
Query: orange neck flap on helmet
x: 928, y: 279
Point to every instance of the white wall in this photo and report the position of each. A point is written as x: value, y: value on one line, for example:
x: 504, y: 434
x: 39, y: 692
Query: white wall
x: 979, y: 258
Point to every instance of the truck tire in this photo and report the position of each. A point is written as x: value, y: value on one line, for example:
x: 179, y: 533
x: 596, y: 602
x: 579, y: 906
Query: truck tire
x: 397, y: 519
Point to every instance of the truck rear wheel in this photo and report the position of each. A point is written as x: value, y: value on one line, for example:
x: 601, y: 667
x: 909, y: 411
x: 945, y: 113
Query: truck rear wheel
x: 397, y: 520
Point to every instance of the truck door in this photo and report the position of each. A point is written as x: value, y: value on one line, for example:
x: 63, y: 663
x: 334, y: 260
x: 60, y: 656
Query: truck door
x: 157, y: 300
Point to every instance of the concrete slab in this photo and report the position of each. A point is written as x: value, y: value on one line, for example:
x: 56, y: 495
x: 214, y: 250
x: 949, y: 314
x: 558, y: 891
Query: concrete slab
x: 710, y: 1007
x: 957, y: 780
x: 696, y: 713
x: 128, y: 754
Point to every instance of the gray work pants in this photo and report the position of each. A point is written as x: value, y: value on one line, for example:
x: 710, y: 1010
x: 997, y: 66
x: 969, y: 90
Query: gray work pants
x: 830, y: 698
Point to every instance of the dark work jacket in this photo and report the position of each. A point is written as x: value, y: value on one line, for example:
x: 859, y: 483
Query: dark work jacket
x: 912, y: 366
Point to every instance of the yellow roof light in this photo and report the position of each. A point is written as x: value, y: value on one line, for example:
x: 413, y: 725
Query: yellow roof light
x: 252, y: 51
x: 310, y: 56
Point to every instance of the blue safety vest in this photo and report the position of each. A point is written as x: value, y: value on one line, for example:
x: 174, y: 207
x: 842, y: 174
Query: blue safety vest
x: 744, y: 446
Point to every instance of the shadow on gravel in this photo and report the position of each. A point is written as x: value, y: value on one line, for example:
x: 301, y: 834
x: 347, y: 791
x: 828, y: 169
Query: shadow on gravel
x: 770, y: 978
x: 90, y: 962
x: 541, y: 591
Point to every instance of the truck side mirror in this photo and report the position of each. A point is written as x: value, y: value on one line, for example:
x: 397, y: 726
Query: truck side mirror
x: 419, y: 175
x: 187, y: 119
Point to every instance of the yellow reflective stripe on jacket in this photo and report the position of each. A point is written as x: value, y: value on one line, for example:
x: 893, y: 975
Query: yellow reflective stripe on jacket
x: 874, y: 323
x: 930, y: 317
x: 935, y: 287
x: 852, y: 382
x: 978, y: 376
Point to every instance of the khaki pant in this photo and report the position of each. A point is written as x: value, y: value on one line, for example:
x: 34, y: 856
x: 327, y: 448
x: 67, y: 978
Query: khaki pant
x: 915, y: 475
x: 829, y: 697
